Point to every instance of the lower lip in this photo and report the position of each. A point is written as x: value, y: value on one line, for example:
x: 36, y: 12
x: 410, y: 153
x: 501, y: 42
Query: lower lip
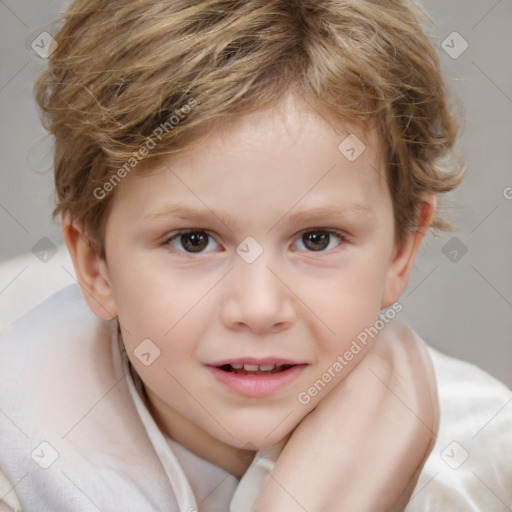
x: 257, y: 385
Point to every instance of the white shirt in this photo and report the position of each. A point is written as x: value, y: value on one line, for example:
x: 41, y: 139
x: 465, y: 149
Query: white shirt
x: 76, y: 434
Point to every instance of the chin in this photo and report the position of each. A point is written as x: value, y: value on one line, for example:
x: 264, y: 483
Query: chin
x: 255, y: 434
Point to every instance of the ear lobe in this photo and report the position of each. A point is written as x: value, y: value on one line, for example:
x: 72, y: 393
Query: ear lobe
x: 405, y: 254
x: 91, y: 270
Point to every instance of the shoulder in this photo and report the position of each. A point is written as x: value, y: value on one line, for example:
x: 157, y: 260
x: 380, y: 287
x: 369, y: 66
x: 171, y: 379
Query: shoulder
x: 50, y: 353
x: 450, y: 370
x: 469, y: 467
x: 66, y: 302
x: 55, y: 330
x: 473, y: 403
x: 54, y: 363
x: 51, y: 344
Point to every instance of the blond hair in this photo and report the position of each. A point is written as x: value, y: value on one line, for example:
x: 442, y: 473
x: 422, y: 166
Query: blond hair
x: 122, y: 69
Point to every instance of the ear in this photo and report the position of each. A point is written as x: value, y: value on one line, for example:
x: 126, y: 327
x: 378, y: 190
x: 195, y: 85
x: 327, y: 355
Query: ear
x: 405, y: 254
x: 91, y: 270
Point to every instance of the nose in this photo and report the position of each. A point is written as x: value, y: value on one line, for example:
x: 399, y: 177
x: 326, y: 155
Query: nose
x: 256, y: 299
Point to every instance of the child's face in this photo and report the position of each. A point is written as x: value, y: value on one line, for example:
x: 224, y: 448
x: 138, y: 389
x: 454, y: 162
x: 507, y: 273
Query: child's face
x: 328, y: 265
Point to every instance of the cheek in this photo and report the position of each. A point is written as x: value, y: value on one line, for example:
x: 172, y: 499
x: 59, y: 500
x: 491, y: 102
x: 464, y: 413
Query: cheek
x: 348, y: 306
x: 163, y: 350
x: 351, y: 297
x: 154, y: 304
x: 151, y: 299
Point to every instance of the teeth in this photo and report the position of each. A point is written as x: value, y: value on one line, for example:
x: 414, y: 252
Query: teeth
x: 253, y: 367
x: 261, y: 368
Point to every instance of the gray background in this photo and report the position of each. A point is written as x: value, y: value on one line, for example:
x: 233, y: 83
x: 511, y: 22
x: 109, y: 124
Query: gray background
x: 459, y: 302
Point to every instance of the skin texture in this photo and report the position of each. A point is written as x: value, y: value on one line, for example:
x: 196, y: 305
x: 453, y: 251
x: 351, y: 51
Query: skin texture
x: 291, y: 302
x: 378, y: 439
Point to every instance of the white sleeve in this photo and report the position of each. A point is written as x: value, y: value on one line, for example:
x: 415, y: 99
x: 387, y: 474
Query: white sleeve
x: 470, y: 467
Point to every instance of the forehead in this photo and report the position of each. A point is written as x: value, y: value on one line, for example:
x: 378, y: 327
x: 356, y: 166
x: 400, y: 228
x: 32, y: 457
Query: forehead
x: 268, y: 160
x: 284, y: 126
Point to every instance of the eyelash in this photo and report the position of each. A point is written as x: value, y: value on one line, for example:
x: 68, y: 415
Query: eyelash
x: 331, y: 232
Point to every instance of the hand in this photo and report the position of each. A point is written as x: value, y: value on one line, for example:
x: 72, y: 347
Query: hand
x: 363, y: 447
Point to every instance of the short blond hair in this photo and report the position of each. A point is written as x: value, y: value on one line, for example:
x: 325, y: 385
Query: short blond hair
x: 124, y: 71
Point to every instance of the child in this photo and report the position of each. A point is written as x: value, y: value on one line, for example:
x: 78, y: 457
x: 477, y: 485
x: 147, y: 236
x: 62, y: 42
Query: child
x: 244, y: 187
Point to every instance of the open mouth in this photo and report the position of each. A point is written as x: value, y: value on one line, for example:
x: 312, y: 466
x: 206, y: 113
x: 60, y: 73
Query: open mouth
x: 251, y: 379
x: 254, y: 369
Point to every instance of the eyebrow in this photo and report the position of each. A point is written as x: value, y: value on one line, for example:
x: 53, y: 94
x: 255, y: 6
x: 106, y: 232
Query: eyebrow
x: 186, y: 213
x: 312, y: 214
x: 320, y: 213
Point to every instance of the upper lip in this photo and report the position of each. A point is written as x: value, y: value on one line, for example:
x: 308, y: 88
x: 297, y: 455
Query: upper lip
x: 253, y: 360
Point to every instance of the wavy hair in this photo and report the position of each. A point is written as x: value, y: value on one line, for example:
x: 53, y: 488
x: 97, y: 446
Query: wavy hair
x: 123, y: 68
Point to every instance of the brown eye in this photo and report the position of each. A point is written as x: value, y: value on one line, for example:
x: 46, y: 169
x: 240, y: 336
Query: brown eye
x: 194, y: 242
x: 318, y: 240
x: 191, y: 241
